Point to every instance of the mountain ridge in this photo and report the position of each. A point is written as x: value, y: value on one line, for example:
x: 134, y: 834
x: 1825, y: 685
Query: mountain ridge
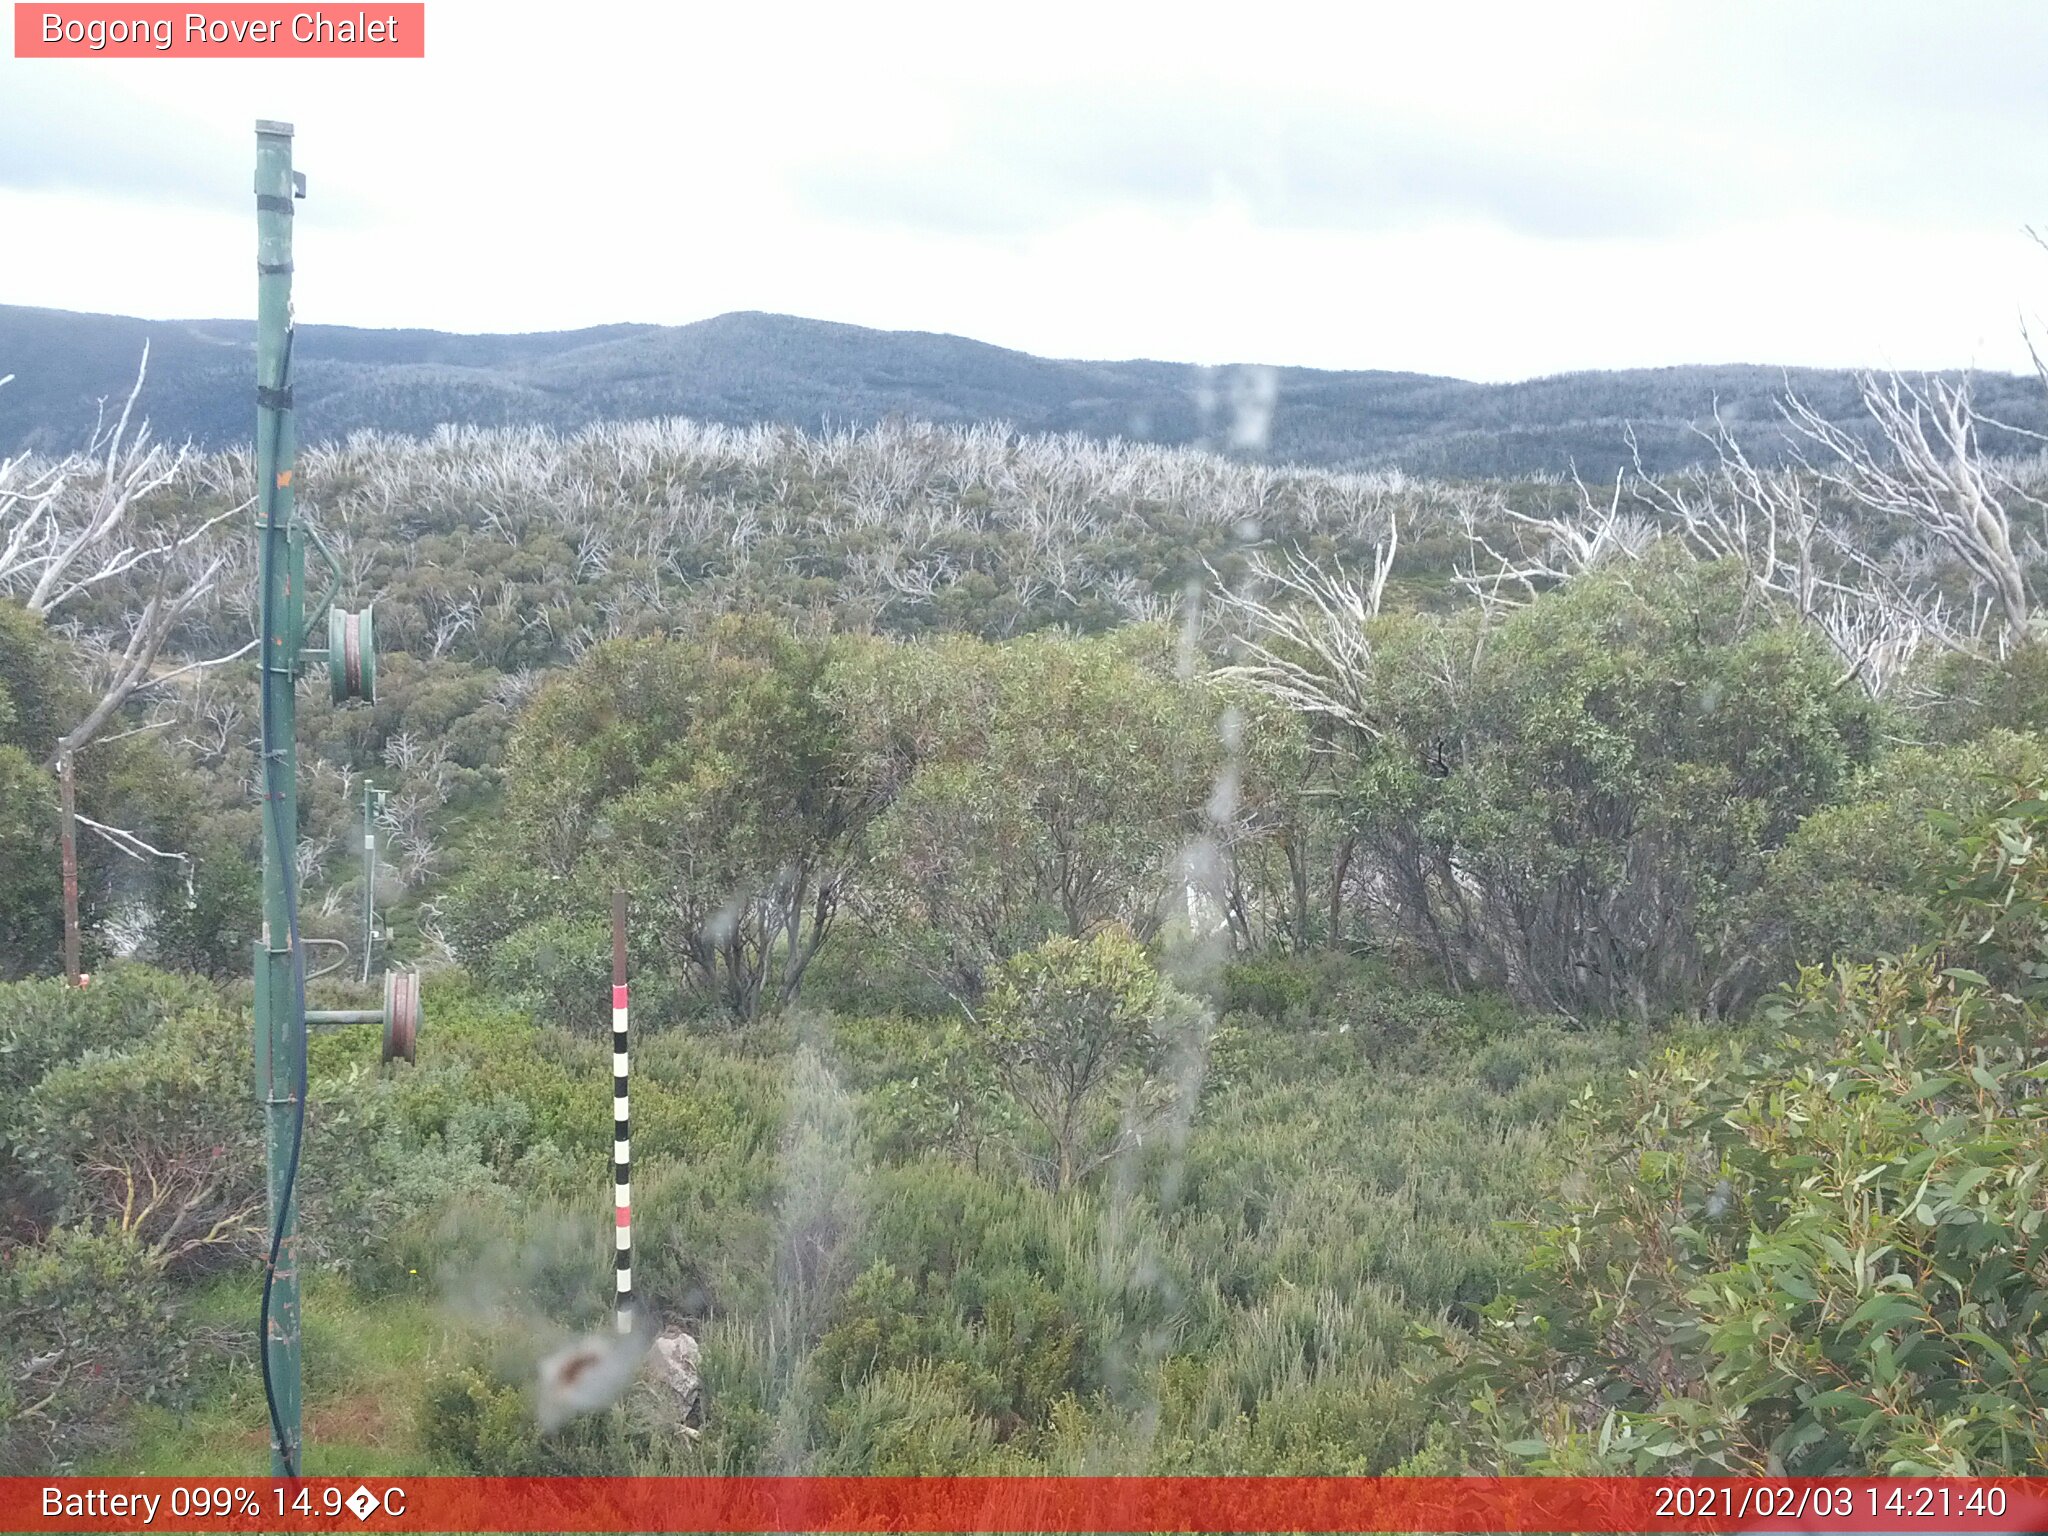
x: 749, y: 366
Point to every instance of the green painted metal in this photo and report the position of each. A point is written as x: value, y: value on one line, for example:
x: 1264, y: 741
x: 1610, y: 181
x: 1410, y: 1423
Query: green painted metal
x: 324, y: 603
x: 280, y: 1026
x: 372, y: 798
x: 288, y: 622
x: 340, y: 1016
x: 366, y: 622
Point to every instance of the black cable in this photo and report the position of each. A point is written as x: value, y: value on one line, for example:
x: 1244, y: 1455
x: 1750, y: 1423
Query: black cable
x: 274, y: 814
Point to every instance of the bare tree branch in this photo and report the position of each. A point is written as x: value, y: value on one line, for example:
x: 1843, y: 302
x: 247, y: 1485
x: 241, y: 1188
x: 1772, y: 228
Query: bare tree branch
x: 1310, y: 650
x: 1937, y: 480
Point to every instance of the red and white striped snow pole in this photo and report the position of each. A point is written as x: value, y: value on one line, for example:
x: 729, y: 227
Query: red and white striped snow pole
x: 622, y: 1147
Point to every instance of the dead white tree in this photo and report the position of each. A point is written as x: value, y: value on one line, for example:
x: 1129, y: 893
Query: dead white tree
x: 1785, y: 526
x: 454, y: 619
x: 125, y: 842
x: 70, y: 529
x: 1307, y: 643
x: 919, y: 579
x: 66, y: 526
x: 1549, y: 550
x: 1933, y: 476
x: 512, y: 691
x: 1768, y: 521
x: 1875, y: 614
x: 435, y: 935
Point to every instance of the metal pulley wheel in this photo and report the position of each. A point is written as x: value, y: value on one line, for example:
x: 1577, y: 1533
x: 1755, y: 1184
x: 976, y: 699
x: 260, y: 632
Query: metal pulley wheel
x: 351, y: 656
x: 401, y: 1014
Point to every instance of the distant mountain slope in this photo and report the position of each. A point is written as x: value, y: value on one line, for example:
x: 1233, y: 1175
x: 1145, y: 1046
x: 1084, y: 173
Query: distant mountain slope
x: 746, y: 368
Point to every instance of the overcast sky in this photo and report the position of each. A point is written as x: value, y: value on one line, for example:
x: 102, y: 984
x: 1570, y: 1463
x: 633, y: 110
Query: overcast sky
x: 1492, y: 191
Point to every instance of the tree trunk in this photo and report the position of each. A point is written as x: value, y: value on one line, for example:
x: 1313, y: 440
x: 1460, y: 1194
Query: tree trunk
x: 1297, y: 879
x: 1340, y: 870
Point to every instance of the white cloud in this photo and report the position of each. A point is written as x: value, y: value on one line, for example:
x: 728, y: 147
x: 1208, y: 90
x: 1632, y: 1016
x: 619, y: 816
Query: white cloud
x: 1491, y: 191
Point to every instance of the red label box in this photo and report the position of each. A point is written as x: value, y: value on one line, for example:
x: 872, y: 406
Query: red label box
x: 850, y: 1505
x: 235, y: 31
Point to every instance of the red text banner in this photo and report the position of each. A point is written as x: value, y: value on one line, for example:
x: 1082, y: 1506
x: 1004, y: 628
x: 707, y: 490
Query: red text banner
x: 238, y: 31
x: 1064, y: 1504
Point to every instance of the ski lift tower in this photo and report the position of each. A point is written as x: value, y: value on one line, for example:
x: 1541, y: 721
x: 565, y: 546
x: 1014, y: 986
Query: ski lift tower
x: 287, y: 622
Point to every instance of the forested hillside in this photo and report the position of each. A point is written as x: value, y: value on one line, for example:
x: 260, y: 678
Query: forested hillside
x: 751, y: 369
x: 1143, y: 960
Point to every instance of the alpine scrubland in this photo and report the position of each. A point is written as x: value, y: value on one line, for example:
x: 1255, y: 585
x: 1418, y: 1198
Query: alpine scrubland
x: 1142, y: 961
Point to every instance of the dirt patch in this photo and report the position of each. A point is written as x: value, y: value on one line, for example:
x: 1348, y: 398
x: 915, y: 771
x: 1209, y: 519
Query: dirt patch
x: 361, y: 1418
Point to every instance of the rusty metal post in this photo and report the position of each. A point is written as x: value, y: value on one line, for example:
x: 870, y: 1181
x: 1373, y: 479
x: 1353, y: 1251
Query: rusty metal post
x: 67, y: 841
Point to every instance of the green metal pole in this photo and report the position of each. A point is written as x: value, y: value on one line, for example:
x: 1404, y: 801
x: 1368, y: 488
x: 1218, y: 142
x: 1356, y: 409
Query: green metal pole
x: 280, y: 1028
x: 369, y: 879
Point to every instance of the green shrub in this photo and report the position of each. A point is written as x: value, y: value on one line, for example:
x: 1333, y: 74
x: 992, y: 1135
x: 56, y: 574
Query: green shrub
x: 212, y: 930
x: 31, y: 934
x: 1382, y: 1013
x: 484, y: 1426
x: 926, y: 1089
x: 914, y: 1422
x: 1850, y: 884
x: 89, y: 1330
x: 704, y: 1237
x: 1570, y: 811
x: 1073, y: 1026
x: 1975, y: 698
x: 990, y: 1280
x: 559, y: 969
x: 1278, y: 987
x: 158, y: 1138
x: 480, y: 1415
x: 44, y: 1024
x: 867, y: 974
x: 1818, y: 1254
x: 371, y: 1199
x: 1347, y: 1422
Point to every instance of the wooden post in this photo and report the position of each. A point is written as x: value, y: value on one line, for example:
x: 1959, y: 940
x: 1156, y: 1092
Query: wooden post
x: 67, y: 841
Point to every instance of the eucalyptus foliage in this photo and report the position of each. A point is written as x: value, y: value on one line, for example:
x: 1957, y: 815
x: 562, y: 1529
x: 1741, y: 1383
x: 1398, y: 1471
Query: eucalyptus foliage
x: 1826, y: 1251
